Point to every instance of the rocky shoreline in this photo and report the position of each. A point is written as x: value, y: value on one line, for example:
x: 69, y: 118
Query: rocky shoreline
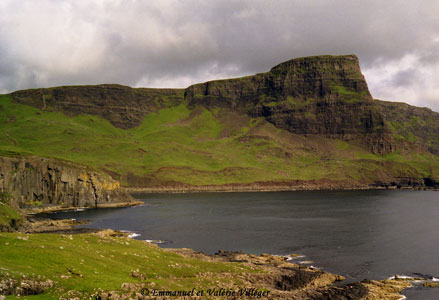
x: 266, y: 188
x: 286, y: 280
x: 280, y: 279
x: 57, y: 208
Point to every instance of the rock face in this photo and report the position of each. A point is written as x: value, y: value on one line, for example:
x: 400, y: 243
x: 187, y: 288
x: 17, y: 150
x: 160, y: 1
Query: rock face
x: 324, y: 95
x: 34, y: 182
x: 123, y: 106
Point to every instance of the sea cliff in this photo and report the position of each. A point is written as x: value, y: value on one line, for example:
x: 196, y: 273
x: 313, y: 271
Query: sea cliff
x: 37, y: 183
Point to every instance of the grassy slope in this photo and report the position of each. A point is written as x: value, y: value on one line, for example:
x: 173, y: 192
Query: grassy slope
x: 83, y: 262
x: 197, y: 147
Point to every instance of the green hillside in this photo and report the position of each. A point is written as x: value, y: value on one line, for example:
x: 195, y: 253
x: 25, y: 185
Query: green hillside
x: 198, y: 146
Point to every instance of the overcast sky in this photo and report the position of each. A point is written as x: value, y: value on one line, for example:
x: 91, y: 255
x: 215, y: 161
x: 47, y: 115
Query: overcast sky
x: 171, y: 43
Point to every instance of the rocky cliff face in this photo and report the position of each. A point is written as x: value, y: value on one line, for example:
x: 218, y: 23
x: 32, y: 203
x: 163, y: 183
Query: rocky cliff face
x: 123, y: 106
x: 38, y: 181
x: 324, y: 95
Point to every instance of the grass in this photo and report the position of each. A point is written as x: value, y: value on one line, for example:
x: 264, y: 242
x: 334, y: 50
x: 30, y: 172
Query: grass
x: 193, y: 146
x: 346, y: 95
x: 10, y: 219
x: 85, y: 262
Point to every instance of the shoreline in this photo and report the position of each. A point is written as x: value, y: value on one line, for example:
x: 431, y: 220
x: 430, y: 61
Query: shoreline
x: 256, y: 188
x: 210, y: 189
x: 58, y: 208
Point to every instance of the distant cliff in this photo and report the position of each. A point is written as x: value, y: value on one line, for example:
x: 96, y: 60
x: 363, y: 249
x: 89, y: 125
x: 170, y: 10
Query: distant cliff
x: 321, y: 95
x: 40, y: 182
x: 308, y: 123
x: 416, y: 125
x: 123, y: 106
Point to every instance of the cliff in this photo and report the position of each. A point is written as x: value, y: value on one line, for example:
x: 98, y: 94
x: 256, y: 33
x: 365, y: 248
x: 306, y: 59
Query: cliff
x: 322, y: 95
x: 308, y: 123
x: 123, y: 106
x: 41, y: 182
x: 418, y: 126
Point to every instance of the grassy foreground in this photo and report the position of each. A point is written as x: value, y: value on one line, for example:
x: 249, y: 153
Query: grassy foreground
x: 197, y: 147
x: 83, y: 265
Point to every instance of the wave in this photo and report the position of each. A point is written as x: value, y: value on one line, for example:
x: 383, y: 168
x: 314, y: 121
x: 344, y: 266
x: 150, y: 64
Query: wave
x: 397, y: 276
x: 306, y: 262
x: 291, y: 257
x: 156, y: 241
x: 294, y: 257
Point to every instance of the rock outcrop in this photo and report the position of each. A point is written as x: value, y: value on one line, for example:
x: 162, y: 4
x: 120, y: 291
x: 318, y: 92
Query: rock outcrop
x: 322, y: 95
x: 40, y: 182
x: 286, y: 280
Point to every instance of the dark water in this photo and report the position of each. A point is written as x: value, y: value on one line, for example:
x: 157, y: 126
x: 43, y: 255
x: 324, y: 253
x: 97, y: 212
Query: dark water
x: 359, y: 234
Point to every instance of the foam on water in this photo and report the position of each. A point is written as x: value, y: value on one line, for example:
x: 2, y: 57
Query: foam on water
x: 156, y: 241
x: 133, y: 235
x: 397, y: 276
x: 306, y: 262
x: 289, y: 257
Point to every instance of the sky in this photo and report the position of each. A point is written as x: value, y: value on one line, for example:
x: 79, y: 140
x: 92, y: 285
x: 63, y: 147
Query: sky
x: 176, y: 43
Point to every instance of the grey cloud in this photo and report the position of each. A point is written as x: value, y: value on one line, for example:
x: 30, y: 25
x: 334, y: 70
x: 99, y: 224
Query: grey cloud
x: 152, y: 43
x: 405, y: 77
x: 430, y: 102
